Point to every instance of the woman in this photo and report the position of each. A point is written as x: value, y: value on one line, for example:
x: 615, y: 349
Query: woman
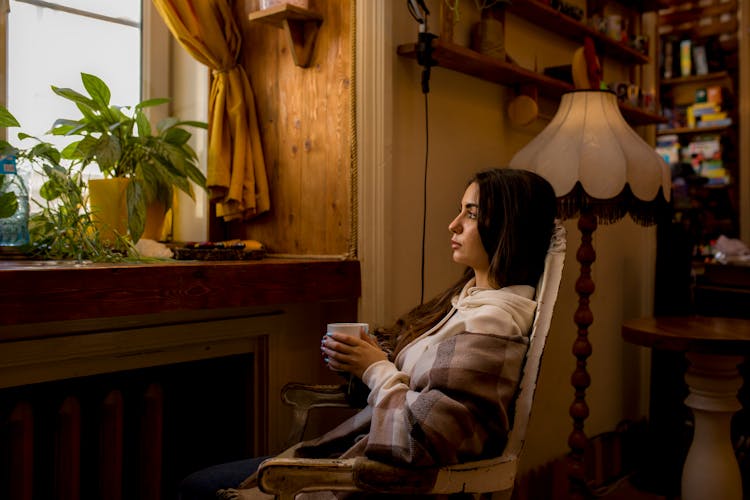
x: 441, y: 379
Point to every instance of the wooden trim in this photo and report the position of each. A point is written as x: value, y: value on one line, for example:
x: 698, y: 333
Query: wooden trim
x: 374, y: 59
x: 37, y: 292
x: 40, y: 360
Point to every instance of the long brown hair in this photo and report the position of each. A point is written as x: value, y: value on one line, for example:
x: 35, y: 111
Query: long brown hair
x: 516, y: 216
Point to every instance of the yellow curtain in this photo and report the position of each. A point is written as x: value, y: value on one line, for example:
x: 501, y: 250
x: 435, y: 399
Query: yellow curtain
x: 236, y: 175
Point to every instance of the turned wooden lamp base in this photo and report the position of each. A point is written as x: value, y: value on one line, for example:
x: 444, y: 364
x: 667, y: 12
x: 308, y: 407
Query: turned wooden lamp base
x: 581, y: 379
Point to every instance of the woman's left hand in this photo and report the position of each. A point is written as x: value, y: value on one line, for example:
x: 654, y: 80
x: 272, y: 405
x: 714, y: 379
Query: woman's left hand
x: 352, y: 354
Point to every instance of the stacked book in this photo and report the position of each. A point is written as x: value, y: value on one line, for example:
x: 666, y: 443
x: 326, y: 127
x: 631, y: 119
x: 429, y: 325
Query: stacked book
x: 707, y: 110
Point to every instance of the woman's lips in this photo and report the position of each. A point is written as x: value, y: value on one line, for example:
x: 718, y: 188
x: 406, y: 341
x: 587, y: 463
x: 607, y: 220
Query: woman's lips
x: 455, y: 245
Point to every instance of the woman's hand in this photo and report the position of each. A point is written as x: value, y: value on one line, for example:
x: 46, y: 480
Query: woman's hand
x: 349, y: 353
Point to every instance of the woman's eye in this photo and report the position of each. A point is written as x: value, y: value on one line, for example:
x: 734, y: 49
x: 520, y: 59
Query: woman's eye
x: 472, y: 215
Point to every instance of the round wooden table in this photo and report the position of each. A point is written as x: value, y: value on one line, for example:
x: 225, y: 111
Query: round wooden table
x: 714, y: 348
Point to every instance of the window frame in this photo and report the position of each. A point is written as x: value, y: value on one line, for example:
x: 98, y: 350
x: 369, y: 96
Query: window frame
x: 162, y: 64
x: 155, y: 57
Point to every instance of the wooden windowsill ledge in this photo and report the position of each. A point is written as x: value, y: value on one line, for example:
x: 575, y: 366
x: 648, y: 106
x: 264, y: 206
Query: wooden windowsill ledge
x: 44, y: 291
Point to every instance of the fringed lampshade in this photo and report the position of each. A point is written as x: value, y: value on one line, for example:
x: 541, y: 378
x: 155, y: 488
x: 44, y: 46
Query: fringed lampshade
x: 601, y: 169
x: 594, y: 159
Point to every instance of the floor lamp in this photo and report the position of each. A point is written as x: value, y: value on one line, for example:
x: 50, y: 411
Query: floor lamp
x: 601, y: 170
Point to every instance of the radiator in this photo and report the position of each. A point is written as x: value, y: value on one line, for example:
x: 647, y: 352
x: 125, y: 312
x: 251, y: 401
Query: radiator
x: 130, y: 435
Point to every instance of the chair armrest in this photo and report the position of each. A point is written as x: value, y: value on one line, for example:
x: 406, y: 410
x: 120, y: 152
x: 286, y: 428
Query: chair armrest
x: 285, y: 477
x: 371, y: 475
x: 303, y: 397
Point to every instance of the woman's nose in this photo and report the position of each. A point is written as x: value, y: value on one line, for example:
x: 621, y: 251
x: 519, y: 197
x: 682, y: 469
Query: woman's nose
x: 454, y: 226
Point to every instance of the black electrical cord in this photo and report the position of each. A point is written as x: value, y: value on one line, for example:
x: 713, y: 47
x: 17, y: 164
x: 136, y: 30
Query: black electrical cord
x: 419, y: 12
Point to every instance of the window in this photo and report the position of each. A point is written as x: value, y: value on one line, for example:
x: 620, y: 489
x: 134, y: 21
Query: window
x: 51, y: 43
x: 122, y: 41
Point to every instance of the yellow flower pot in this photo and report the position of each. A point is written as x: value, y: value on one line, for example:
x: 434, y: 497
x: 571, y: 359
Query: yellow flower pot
x: 109, y: 207
x: 109, y: 210
x: 156, y: 212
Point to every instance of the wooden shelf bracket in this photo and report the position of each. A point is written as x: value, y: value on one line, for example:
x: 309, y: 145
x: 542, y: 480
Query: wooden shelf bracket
x: 301, y: 26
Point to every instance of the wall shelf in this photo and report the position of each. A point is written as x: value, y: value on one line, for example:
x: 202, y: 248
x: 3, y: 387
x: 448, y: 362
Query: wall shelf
x: 467, y: 61
x: 719, y: 75
x: 694, y: 130
x: 553, y: 20
x: 301, y: 26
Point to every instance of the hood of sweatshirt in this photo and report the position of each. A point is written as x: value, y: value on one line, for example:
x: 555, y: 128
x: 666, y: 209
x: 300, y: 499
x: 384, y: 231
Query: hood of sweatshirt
x: 517, y: 301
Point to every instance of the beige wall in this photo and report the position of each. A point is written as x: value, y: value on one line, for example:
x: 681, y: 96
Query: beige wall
x: 469, y: 130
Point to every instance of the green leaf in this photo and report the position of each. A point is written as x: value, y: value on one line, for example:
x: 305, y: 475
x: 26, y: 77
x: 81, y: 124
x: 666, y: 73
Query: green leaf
x: 136, y: 210
x: 50, y: 190
x: 195, y: 174
x: 46, y: 150
x: 107, y: 152
x: 8, y: 204
x: 93, y: 118
x: 177, y: 136
x: 167, y: 123
x: 63, y: 126
x: 184, y: 185
x: 6, y: 149
x: 192, y: 123
x: 157, y: 101
x: 75, y: 150
x: 144, y: 126
x: 97, y: 89
x: 118, y: 115
x: 74, y: 96
x: 7, y: 119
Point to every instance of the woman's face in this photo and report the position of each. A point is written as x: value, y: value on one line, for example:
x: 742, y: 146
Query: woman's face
x: 465, y: 241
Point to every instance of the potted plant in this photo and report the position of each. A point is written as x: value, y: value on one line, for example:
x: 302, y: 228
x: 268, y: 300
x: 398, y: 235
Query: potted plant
x: 147, y: 163
x: 63, y: 227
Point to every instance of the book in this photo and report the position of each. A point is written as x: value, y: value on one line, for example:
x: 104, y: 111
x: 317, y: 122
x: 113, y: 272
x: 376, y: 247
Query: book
x: 715, y: 123
x: 699, y: 58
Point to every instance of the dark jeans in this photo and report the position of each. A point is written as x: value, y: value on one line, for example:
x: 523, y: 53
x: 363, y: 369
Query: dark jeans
x: 203, y: 484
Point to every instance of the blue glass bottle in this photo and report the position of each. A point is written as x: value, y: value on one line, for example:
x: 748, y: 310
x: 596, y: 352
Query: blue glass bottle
x: 14, y: 229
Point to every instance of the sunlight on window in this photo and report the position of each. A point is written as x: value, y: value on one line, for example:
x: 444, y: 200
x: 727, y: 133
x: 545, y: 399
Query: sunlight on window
x: 48, y: 47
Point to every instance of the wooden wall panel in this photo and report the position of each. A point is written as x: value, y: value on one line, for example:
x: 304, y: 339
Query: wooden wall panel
x: 304, y: 116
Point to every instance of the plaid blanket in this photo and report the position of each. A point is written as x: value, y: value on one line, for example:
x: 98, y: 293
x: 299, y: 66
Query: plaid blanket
x: 446, y: 398
x: 456, y: 411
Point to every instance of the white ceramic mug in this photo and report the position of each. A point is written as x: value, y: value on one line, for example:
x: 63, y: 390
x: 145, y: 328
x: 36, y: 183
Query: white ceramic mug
x: 347, y: 328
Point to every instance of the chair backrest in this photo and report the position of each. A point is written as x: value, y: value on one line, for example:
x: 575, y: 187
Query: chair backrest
x: 546, y: 296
